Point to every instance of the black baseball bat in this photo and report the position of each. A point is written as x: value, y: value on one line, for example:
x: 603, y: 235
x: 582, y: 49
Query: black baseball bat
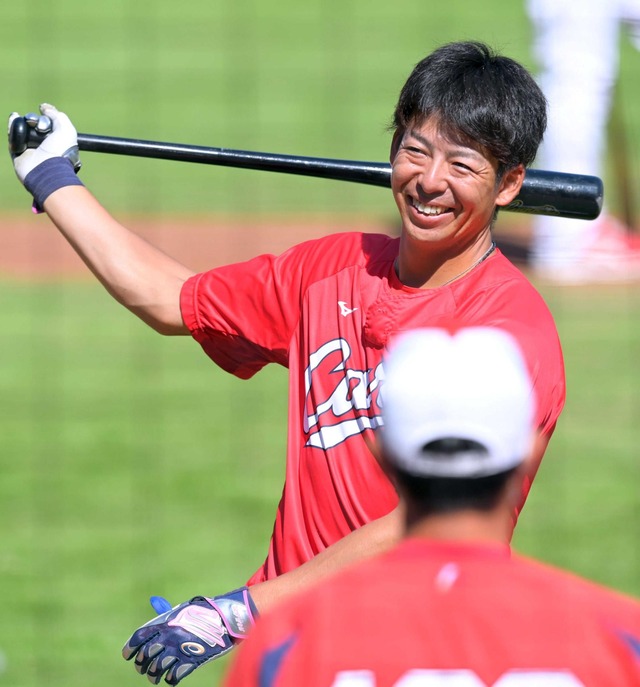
x: 543, y: 192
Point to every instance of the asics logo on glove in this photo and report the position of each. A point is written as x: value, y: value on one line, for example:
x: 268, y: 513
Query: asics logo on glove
x: 192, y: 648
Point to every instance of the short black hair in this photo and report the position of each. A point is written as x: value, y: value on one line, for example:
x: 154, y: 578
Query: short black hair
x: 435, y: 495
x: 438, y: 495
x: 477, y: 96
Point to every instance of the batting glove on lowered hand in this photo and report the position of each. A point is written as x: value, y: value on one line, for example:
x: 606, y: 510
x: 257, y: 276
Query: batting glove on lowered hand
x: 180, y: 640
x: 55, y: 161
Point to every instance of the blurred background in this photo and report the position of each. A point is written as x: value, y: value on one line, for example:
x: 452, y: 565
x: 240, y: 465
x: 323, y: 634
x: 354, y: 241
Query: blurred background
x: 129, y: 465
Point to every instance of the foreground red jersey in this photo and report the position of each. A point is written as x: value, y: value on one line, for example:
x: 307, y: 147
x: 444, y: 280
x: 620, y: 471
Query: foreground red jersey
x: 438, y: 614
x: 326, y: 309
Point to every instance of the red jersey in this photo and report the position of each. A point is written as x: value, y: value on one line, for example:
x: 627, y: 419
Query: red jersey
x: 326, y: 309
x: 445, y: 614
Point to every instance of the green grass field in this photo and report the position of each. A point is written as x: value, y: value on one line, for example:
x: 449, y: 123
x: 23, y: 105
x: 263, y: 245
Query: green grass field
x: 130, y: 465
x: 128, y: 468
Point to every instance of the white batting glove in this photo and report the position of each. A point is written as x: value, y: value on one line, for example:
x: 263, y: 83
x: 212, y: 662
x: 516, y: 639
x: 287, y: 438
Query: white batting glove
x: 61, y: 142
x: 54, y: 163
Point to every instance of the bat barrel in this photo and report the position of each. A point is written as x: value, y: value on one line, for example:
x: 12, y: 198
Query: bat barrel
x: 577, y: 196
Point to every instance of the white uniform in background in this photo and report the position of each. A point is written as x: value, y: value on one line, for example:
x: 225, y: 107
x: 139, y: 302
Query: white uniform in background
x: 576, y: 45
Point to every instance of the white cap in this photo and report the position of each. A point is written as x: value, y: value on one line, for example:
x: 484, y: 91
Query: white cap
x: 469, y: 384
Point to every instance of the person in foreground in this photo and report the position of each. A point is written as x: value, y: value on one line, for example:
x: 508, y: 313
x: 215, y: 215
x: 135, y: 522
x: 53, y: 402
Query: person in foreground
x: 450, y: 604
x: 467, y: 124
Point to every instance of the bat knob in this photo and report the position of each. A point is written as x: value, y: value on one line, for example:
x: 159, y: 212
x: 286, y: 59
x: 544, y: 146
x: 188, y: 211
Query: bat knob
x: 18, y: 136
x: 28, y: 132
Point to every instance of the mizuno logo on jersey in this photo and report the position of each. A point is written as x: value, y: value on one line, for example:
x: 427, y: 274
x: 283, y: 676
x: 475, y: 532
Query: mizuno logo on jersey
x: 340, y: 402
x: 344, y: 309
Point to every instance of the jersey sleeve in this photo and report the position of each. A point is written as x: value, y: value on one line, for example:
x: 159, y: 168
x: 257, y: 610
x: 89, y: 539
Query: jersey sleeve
x: 244, y: 315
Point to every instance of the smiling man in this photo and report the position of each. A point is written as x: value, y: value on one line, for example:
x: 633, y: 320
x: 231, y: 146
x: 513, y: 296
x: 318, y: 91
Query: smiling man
x: 466, y: 125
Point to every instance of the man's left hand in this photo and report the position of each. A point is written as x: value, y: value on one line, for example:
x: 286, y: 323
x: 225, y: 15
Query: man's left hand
x: 180, y: 640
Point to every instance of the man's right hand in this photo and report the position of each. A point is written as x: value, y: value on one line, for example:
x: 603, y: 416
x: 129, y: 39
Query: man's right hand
x: 61, y: 142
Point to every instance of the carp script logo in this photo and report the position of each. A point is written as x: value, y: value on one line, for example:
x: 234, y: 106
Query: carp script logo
x: 340, y: 401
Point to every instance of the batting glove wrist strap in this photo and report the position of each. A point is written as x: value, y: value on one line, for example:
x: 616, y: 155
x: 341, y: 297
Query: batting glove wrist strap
x: 49, y: 176
x: 237, y: 611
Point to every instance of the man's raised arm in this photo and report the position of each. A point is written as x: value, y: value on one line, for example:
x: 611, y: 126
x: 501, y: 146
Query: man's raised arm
x: 137, y: 274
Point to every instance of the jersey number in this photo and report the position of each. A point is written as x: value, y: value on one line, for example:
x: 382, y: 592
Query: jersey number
x: 460, y: 678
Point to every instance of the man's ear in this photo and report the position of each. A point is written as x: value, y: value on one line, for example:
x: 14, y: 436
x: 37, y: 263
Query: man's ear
x: 395, y: 144
x: 510, y: 185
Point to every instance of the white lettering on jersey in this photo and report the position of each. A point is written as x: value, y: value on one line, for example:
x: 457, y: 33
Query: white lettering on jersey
x: 460, y: 678
x: 350, y: 407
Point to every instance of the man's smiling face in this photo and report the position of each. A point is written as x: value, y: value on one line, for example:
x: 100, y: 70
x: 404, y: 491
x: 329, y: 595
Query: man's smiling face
x: 446, y: 191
